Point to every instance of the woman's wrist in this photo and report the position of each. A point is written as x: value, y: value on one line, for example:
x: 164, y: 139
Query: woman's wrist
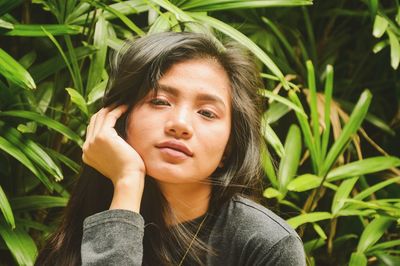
x: 128, y: 193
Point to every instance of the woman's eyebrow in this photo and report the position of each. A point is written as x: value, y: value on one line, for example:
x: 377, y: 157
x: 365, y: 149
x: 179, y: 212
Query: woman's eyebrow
x: 200, y: 96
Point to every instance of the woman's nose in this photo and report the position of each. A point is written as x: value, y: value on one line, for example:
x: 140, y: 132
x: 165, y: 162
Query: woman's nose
x: 179, y: 124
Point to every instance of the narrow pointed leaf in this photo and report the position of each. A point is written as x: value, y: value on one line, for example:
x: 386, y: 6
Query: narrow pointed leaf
x: 6, y: 209
x: 34, y: 152
x: 380, y: 26
x: 21, y: 245
x: 358, y: 259
x: 99, y: 58
x: 367, y: 192
x: 78, y: 99
x: 244, y: 40
x: 290, y: 162
x: 305, y: 128
x: 268, y: 166
x: 327, y: 109
x: 271, y: 137
x: 363, y: 167
x: 278, y: 98
x: 15, y: 152
x: 351, y: 127
x: 14, y: 72
x: 213, y: 5
x: 308, y: 218
x: 272, y: 193
x: 373, y: 232
x: 304, y: 182
x: 25, y: 30
x: 342, y: 193
x: 29, y: 203
x: 44, y: 120
x: 6, y: 6
x: 313, y: 107
x: 394, y: 49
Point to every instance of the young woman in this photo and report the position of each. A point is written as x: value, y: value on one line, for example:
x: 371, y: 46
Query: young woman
x: 172, y: 164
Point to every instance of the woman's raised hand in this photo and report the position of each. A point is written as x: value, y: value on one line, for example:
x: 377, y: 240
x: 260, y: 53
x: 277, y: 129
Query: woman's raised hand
x: 112, y: 156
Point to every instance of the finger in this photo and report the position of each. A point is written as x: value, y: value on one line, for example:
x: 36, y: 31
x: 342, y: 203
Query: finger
x: 98, y: 124
x: 90, y: 128
x: 111, y: 118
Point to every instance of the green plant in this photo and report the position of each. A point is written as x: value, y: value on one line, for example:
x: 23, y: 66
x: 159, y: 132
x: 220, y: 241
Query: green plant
x: 53, y: 71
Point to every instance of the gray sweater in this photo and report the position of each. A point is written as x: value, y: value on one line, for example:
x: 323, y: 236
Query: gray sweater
x: 242, y: 233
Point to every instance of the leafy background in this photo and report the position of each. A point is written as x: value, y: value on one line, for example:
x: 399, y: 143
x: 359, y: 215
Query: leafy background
x: 332, y: 88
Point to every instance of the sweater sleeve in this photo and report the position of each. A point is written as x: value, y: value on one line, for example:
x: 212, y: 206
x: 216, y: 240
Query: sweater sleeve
x: 113, y: 237
x: 288, y: 251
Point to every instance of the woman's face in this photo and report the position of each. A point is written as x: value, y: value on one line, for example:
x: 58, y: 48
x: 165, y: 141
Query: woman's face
x: 181, y: 133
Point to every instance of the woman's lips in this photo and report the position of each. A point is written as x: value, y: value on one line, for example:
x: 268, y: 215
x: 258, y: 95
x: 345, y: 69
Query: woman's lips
x: 174, y: 153
x: 175, y: 148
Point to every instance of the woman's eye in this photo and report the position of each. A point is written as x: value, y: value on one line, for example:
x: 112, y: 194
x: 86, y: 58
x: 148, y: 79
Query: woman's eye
x: 158, y: 101
x: 207, y: 114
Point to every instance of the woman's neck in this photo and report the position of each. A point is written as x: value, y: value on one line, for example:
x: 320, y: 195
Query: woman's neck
x: 188, y: 201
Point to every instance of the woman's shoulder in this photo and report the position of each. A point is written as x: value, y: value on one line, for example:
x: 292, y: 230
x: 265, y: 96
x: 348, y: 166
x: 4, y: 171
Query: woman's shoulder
x: 247, y: 233
x: 254, y: 219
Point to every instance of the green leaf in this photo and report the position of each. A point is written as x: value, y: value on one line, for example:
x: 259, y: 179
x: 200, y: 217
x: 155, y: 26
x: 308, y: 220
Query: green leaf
x: 20, y: 244
x: 57, y: 63
x: 125, y: 7
x: 387, y: 259
x: 327, y: 109
x: 314, y: 110
x: 271, y: 137
x: 15, y: 152
x: 78, y: 99
x: 244, y: 40
x: 290, y: 162
x: 367, y: 192
x: 384, y: 245
x: 342, y: 193
x: 379, y: 46
x: 272, y: 193
x: 28, y: 59
x: 394, y: 49
x: 30, y: 203
x: 319, y: 231
x: 380, y: 26
x: 14, y: 72
x: 358, y: 259
x: 44, y: 120
x: 165, y: 22
x: 99, y: 58
x: 120, y: 15
x: 213, y: 5
x: 314, y: 244
x: 6, y: 25
x: 8, y: 5
x: 305, y: 128
x: 268, y: 166
x: 278, y: 98
x: 351, y: 127
x: 65, y: 160
x: 363, y: 167
x: 275, y: 112
x: 34, y: 152
x: 31, y: 30
x: 304, y: 182
x: 6, y: 209
x: 67, y: 62
x: 373, y: 232
x: 308, y: 218
x: 373, y: 7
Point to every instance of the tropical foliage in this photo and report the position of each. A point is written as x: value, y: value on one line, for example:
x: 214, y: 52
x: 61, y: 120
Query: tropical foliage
x: 332, y: 90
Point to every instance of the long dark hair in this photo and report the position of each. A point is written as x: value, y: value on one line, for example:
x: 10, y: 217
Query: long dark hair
x: 135, y: 71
